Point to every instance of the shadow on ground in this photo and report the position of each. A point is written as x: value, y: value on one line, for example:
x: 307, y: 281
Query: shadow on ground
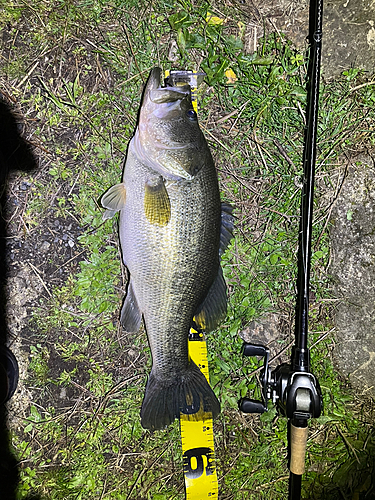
x: 15, y: 154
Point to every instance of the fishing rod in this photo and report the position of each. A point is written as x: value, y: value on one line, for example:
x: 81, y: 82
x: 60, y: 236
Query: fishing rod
x: 292, y: 387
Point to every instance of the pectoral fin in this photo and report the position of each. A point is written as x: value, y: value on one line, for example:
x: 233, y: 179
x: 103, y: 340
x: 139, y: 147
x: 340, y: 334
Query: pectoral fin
x: 131, y: 315
x: 157, y: 205
x: 214, y: 307
x: 114, y: 200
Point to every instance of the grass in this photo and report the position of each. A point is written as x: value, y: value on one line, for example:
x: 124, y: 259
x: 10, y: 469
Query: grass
x: 82, y: 436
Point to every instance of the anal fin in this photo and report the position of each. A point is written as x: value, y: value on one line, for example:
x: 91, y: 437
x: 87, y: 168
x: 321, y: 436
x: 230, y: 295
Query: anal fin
x: 227, y: 226
x: 214, y: 307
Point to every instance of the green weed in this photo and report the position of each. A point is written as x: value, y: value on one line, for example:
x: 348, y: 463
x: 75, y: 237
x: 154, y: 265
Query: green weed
x: 38, y: 365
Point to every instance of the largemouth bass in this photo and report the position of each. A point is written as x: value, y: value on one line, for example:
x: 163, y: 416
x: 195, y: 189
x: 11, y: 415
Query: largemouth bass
x: 173, y: 230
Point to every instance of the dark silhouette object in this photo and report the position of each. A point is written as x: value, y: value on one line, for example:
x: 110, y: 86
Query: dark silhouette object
x: 8, y: 374
x: 15, y: 154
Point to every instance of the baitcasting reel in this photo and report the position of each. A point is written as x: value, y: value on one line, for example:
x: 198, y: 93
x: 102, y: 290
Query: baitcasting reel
x: 296, y: 392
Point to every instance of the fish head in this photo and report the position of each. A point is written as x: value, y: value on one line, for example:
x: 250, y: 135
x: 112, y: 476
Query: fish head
x: 168, y: 135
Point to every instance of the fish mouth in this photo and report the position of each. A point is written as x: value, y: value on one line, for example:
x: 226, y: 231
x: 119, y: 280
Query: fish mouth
x: 154, y: 142
x: 154, y: 80
x: 159, y: 93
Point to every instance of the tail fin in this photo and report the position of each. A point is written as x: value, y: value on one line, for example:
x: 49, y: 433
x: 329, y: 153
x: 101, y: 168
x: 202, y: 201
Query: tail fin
x: 165, y: 398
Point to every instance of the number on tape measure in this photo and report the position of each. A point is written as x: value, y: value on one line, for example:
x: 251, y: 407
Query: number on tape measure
x: 198, y: 461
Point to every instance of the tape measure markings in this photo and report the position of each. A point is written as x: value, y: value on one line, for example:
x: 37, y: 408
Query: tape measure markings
x: 198, y: 440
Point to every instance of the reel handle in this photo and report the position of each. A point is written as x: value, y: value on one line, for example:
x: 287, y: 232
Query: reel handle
x: 247, y: 405
x: 254, y: 350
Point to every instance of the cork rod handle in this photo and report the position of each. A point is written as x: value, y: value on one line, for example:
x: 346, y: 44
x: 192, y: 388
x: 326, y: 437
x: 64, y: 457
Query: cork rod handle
x: 298, y: 449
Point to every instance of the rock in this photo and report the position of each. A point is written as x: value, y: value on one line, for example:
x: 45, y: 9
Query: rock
x: 353, y: 270
x: 349, y: 36
x: 44, y: 247
x: 268, y: 331
x: 348, y: 31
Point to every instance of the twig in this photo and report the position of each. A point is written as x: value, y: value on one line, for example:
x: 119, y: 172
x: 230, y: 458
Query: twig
x: 137, y: 75
x: 348, y: 444
x: 21, y: 215
x: 8, y: 96
x: 73, y: 216
x: 226, y: 117
x: 243, y: 434
x: 230, y: 467
x: 71, y: 190
x: 239, y: 115
x: 217, y: 140
x: 332, y: 205
x: 362, y: 85
x: 27, y: 75
x: 302, y: 113
x: 103, y: 403
x: 83, y: 389
x: 40, y: 278
x: 322, y: 337
x: 143, y: 471
x: 13, y: 216
x: 131, y: 50
x: 67, y: 262
x: 38, y: 146
x: 284, y: 154
x: 244, y: 184
x: 282, y: 478
x: 103, y: 489
x: 260, y: 151
x: 287, y: 217
x: 36, y: 11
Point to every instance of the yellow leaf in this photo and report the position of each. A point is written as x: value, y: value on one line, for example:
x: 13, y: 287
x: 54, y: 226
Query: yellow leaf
x: 241, y: 27
x: 211, y: 19
x: 231, y: 75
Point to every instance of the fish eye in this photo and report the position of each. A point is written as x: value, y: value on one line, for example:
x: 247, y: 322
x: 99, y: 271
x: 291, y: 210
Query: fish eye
x: 191, y: 114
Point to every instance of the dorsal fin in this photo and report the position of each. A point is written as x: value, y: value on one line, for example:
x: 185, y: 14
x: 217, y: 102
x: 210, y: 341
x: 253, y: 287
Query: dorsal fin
x: 214, y: 307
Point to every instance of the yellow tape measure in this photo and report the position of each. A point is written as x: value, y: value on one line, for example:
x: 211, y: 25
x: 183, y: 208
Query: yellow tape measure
x: 197, y: 437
